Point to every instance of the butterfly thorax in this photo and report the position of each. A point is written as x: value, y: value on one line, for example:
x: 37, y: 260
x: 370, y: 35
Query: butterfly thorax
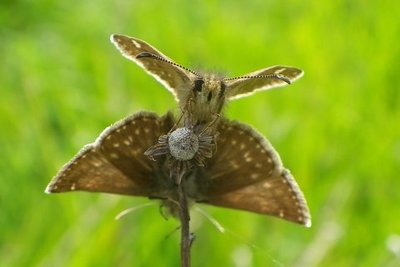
x: 206, y: 99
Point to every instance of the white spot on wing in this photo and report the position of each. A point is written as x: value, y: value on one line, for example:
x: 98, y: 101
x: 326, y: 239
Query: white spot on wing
x: 255, y: 176
x: 97, y: 163
x: 116, y: 145
x: 114, y: 155
x: 234, y: 164
x: 266, y: 185
x: 136, y: 44
x: 135, y: 152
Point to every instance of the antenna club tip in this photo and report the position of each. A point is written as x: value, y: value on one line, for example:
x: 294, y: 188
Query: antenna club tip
x: 144, y: 54
x: 284, y: 78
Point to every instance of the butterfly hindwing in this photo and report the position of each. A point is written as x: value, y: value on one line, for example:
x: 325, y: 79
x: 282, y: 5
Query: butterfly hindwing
x: 252, y: 177
x: 115, y: 163
x: 237, y: 88
x: 90, y: 171
x: 125, y: 142
x: 177, y: 80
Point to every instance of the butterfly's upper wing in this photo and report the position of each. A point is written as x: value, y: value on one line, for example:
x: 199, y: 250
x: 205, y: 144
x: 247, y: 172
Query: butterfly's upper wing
x: 115, y: 162
x: 237, y: 88
x: 246, y: 173
x: 175, y: 79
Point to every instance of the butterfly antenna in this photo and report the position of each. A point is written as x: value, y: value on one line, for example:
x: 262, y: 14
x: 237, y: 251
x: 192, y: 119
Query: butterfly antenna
x: 150, y: 55
x: 211, y: 219
x: 223, y: 230
x: 127, y: 211
x: 269, y: 76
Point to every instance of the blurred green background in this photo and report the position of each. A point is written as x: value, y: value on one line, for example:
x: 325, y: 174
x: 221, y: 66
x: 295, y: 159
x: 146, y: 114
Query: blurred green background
x: 337, y: 129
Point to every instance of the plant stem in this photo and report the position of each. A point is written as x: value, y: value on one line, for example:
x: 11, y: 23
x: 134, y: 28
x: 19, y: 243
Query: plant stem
x: 185, y: 228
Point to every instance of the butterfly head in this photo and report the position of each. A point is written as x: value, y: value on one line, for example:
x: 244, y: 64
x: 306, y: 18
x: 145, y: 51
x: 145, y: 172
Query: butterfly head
x: 207, y: 96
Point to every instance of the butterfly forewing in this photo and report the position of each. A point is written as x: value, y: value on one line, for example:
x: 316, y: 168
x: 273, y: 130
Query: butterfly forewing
x: 115, y: 162
x: 175, y: 79
x: 246, y: 173
x: 238, y: 88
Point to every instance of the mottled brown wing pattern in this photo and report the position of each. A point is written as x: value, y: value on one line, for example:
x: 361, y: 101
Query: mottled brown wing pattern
x: 115, y: 163
x: 175, y: 79
x: 90, y: 171
x: 243, y: 154
x: 124, y: 143
x: 238, y: 88
x: 246, y: 173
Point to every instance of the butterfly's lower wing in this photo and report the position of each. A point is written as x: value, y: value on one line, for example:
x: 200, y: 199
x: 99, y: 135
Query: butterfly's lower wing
x: 177, y: 80
x: 115, y: 162
x: 237, y: 88
x: 246, y: 173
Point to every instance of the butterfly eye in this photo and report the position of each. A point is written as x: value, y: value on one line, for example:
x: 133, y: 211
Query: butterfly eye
x: 209, y: 96
x: 198, y: 85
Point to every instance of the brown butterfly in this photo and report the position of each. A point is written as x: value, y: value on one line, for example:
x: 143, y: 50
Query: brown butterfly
x: 206, y: 93
x: 244, y: 173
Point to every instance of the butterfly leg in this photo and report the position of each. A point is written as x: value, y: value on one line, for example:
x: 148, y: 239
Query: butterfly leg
x: 183, y: 111
x: 210, y: 124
